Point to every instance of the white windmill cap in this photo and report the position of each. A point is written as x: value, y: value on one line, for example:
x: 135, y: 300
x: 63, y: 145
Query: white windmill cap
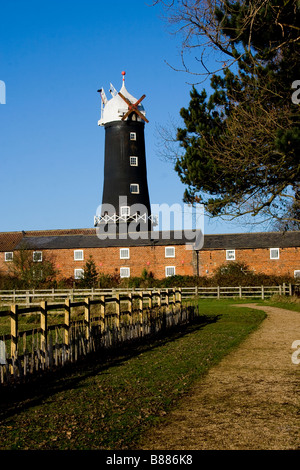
x: 116, y: 108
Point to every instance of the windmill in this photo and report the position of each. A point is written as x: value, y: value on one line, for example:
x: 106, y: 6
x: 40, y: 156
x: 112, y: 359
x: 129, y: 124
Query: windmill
x: 125, y: 196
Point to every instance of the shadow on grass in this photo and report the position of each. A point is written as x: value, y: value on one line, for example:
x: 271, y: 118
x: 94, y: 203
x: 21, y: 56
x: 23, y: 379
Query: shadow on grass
x: 14, y: 399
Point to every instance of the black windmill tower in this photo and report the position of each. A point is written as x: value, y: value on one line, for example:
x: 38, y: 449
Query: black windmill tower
x: 125, y: 200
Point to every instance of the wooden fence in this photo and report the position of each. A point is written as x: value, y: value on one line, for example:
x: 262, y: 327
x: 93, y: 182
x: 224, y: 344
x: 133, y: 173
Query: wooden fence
x: 64, y: 332
x: 31, y: 297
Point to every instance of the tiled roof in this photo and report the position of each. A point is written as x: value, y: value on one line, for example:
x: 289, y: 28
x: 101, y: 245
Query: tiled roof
x: 252, y: 240
x: 87, y: 238
x: 9, y: 240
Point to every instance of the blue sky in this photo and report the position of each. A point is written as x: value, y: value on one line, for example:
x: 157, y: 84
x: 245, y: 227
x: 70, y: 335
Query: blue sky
x: 54, y: 56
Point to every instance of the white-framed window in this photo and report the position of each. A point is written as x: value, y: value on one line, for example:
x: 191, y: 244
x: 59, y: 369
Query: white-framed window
x: 170, y: 271
x: 133, y: 161
x: 135, y: 188
x: 78, y: 273
x: 297, y: 274
x: 132, y: 135
x: 9, y: 255
x: 274, y: 253
x: 169, y: 252
x: 125, y: 210
x: 37, y: 256
x: 78, y: 255
x: 230, y: 255
x: 124, y: 253
x: 124, y: 272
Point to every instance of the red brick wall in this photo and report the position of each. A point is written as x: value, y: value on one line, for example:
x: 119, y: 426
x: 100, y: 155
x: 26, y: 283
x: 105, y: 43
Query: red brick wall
x: 108, y: 260
x: 257, y: 259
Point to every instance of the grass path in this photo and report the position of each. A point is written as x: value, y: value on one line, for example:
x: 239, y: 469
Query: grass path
x: 249, y: 401
x: 109, y: 402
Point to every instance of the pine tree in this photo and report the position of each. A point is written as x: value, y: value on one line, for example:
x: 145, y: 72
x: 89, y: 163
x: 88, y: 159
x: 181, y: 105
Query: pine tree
x: 240, y: 145
x: 90, y: 275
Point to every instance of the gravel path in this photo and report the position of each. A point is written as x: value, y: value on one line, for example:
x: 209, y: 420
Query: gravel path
x: 250, y: 401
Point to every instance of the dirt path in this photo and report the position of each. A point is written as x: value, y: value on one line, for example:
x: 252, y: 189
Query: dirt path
x: 249, y: 401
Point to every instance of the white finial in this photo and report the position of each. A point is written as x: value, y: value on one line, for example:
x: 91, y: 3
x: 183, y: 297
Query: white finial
x: 123, y: 73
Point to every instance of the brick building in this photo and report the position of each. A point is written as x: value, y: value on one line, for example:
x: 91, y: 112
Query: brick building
x: 125, y: 202
x: 269, y: 252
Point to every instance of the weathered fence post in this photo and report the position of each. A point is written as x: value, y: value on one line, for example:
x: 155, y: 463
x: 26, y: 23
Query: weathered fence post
x: 179, y: 297
x: 87, y: 319
x: 13, y: 334
x: 117, y: 317
x: 150, y: 300
x: 167, y: 298
x: 141, y: 307
x: 262, y: 292
x: 43, y: 312
x: 130, y: 307
x: 173, y: 299
x: 159, y: 298
x: 67, y: 323
x: 102, y: 313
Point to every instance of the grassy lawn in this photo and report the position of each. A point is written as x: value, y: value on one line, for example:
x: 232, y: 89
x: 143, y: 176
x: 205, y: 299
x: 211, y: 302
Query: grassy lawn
x: 107, y: 402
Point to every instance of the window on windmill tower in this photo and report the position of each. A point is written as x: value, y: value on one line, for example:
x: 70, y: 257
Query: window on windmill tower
x: 134, y: 188
x: 125, y: 211
x: 132, y: 135
x: 78, y: 255
x: 133, y: 161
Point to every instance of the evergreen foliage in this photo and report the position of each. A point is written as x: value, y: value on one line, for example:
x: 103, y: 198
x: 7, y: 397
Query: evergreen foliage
x: 240, y: 145
x: 90, y: 274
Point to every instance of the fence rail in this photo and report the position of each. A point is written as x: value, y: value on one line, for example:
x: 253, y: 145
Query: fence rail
x: 29, y: 297
x: 64, y: 332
